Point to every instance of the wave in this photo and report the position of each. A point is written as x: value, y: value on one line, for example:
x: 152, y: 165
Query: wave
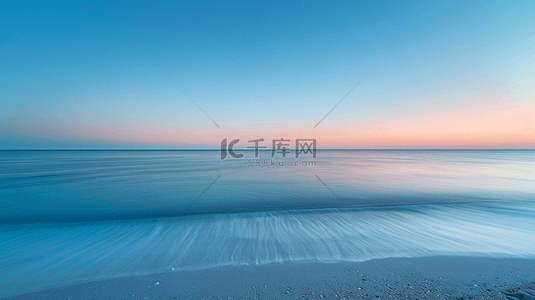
x: 47, y: 255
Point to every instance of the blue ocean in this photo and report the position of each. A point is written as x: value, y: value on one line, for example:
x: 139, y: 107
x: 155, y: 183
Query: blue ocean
x: 68, y: 217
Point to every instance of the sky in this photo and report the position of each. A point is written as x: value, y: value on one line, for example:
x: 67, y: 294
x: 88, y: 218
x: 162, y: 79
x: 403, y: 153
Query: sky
x: 433, y: 74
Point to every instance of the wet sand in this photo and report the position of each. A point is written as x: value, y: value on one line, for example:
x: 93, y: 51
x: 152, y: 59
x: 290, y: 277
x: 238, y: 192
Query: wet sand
x: 437, y: 277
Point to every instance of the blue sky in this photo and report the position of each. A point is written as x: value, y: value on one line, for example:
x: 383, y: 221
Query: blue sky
x: 97, y: 75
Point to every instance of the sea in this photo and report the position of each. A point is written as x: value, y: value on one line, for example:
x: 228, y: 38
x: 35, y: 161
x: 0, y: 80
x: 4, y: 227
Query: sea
x: 76, y: 216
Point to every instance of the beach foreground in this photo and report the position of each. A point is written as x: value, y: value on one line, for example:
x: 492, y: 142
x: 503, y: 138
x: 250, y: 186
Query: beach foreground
x: 437, y: 277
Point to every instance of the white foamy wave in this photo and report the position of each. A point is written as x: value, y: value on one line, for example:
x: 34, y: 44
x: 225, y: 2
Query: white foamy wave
x: 49, y: 255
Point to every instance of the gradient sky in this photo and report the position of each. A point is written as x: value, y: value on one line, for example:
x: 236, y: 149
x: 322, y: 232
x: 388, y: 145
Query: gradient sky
x: 441, y: 74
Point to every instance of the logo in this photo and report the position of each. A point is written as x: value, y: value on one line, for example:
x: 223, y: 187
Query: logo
x: 230, y: 149
x: 280, y: 147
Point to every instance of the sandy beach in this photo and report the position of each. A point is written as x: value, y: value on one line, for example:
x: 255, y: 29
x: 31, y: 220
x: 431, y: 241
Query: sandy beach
x: 438, y: 277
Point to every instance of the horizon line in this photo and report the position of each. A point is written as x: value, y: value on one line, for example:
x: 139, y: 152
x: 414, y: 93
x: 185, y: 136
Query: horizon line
x: 249, y: 149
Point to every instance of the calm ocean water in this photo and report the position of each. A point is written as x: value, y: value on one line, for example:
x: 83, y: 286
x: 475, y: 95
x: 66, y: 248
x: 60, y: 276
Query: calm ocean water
x: 74, y: 216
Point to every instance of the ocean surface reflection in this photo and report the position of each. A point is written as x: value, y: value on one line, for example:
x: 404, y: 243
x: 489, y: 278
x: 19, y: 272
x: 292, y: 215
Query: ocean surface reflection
x: 77, y: 216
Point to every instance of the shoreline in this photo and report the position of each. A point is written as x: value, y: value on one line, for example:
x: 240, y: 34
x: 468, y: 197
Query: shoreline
x: 433, y: 277
x: 41, y: 258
